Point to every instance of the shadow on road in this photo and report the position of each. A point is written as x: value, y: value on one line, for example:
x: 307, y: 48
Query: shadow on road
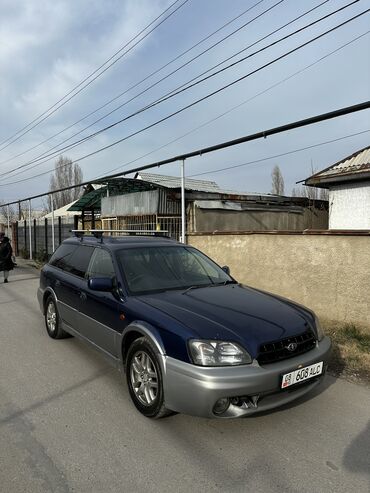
x: 52, y: 397
x: 357, y: 455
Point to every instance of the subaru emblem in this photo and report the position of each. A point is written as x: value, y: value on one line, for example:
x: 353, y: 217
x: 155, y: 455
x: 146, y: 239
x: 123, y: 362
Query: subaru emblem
x: 292, y: 346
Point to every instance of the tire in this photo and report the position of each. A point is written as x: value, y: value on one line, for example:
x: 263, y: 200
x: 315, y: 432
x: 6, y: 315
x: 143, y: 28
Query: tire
x: 144, y: 379
x: 52, y: 321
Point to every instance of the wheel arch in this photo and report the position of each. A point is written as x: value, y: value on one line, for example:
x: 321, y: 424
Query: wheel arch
x: 139, y: 329
x: 49, y: 292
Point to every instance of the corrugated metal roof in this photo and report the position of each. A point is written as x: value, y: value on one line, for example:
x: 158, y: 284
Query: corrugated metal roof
x: 118, y: 186
x: 175, y: 182
x: 355, y: 164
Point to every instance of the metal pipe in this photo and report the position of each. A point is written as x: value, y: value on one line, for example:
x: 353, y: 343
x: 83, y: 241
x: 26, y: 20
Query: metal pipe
x: 183, y: 212
x: 8, y: 214
x: 30, y: 227
x: 52, y: 223
x: 199, y: 152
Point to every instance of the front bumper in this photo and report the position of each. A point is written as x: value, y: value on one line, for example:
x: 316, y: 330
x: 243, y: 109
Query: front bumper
x: 194, y: 390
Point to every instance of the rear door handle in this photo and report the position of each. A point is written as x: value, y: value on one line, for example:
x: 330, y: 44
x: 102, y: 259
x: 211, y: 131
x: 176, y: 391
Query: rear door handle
x: 57, y: 284
x: 83, y: 296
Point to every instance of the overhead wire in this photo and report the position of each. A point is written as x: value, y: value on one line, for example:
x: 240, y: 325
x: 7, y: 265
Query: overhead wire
x: 258, y: 161
x: 364, y: 105
x: 239, y: 105
x: 182, y: 89
x: 45, y: 154
x: 226, y: 86
x: 47, y: 113
x: 143, y: 80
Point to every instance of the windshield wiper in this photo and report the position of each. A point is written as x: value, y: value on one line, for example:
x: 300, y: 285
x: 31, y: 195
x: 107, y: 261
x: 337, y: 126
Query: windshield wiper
x: 213, y: 284
x: 198, y: 286
x: 228, y: 281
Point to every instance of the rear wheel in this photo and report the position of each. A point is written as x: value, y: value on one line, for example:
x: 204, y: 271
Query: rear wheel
x: 52, y: 321
x: 144, y: 379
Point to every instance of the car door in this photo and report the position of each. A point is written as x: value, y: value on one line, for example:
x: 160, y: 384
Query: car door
x: 100, y: 311
x: 70, y: 283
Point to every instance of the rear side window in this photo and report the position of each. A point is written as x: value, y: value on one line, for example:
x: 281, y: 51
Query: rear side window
x: 79, y: 261
x: 62, y: 255
x: 101, y: 265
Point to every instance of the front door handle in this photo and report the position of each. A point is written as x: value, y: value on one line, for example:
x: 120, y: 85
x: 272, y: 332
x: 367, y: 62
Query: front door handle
x: 83, y: 296
x: 57, y: 284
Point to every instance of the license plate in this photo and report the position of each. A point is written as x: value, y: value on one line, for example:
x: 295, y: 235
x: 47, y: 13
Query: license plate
x: 302, y: 374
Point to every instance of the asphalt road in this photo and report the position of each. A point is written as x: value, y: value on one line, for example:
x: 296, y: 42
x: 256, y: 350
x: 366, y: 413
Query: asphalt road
x: 67, y: 424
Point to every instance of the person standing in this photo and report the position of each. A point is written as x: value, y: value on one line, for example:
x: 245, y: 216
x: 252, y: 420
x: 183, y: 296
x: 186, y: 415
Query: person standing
x: 6, y: 252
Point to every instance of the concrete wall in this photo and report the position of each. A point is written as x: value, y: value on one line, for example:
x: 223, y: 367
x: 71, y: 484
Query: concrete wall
x: 350, y: 206
x: 328, y: 273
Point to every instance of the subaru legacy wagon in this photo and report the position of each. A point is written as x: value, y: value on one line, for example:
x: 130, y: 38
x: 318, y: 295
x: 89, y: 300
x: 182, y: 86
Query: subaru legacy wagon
x: 187, y: 335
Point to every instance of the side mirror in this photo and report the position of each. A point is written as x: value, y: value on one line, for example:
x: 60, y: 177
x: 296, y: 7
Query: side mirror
x: 100, y: 284
x: 226, y: 269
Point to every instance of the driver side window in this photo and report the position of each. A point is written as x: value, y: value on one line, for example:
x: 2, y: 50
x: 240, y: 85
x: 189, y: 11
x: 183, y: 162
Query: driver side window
x: 101, y: 265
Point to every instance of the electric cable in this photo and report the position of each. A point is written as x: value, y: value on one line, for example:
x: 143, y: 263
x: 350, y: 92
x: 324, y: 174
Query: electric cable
x: 258, y: 161
x: 226, y: 86
x: 34, y: 123
x: 223, y: 145
x: 239, y: 105
x: 138, y: 83
x: 171, y: 94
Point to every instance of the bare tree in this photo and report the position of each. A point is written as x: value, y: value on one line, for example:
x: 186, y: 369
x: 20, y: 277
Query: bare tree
x: 312, y: 193
x: 4, y: 213
x: 277, y: 181
x: 65, y: 174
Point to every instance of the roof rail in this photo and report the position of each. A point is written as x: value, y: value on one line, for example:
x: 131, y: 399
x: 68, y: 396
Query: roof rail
x: 98, y: 233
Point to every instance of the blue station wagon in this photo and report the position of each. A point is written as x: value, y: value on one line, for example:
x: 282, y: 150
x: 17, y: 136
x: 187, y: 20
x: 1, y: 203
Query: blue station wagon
x: 188, y: 336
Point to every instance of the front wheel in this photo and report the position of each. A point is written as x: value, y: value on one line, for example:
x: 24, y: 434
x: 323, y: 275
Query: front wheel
x: 52, y: 321
x: 144, y: 379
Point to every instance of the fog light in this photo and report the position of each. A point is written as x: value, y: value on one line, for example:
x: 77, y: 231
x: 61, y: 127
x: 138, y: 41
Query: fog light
x: 221, y: 406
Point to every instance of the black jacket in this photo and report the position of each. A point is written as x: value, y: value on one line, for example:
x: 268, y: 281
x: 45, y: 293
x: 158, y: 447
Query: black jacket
x: 6, y: 253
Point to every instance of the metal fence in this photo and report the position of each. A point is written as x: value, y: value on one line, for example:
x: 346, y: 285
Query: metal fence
x: 40, y: 237
x: 149, y: 222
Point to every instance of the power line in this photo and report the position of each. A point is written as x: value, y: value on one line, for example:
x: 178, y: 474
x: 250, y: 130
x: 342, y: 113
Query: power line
x: 223, y: 145
x: 34, y: 123
x: 172, y: 94
x: 145, y: 108
x: 240, y: 104
x: 257, y: 161
x: 201, y: 99
x: 143, y: 80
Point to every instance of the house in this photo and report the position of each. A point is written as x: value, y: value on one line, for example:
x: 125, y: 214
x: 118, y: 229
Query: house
x: 348, y: 182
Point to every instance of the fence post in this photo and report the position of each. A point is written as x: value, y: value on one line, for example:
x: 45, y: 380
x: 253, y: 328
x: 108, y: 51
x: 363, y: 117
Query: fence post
x: 16, y: 239
x: 34, y: 237
x: 25, y: 235
x: 60, y: 229
x: 46, y: 238
x: 30, y: 228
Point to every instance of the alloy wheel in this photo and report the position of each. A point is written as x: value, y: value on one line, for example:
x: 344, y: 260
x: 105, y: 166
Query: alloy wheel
x: 144, y: 378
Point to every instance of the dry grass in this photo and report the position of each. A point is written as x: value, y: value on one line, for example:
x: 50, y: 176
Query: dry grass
x: 351, y: 351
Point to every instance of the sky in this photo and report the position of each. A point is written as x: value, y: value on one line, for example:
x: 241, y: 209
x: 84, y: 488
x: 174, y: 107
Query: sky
x: 48, y: 48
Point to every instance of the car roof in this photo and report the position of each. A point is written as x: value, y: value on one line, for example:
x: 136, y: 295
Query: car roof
x: 117, y: 242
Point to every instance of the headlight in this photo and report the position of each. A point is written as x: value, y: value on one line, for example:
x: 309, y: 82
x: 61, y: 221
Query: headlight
x: 319, y: 331
x: 218, y: 353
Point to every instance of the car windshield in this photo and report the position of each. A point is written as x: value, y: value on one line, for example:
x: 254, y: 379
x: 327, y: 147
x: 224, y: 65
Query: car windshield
x: 153, y: 269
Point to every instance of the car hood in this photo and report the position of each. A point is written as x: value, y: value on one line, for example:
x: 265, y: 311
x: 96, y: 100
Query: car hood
x: 233, y: 313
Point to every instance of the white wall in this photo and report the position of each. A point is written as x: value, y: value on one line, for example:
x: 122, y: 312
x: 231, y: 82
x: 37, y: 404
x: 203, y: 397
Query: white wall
x: 349, y: 206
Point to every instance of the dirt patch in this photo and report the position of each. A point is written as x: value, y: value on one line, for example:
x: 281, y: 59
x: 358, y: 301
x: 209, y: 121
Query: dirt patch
x: 350, y: 357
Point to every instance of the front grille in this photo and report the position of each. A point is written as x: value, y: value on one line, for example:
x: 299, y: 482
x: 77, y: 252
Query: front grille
x: 278, y: 350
